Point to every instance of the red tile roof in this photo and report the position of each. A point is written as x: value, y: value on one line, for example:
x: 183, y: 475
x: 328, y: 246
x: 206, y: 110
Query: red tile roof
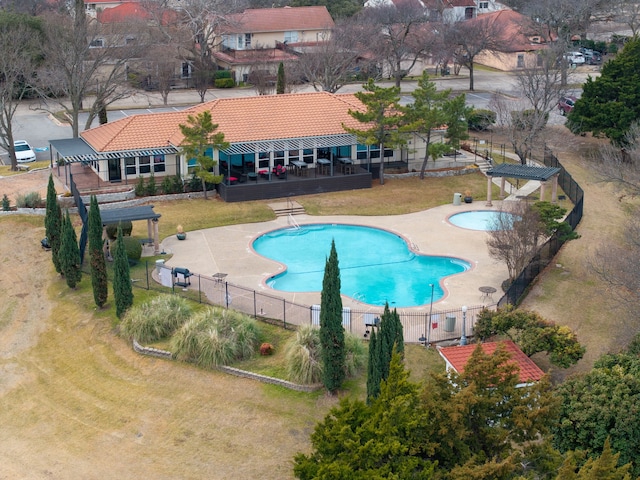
x: 459, y: 356
x: 122, y: 12
x: 255, y: 20
x: 247, y: 119
x: 516, y: 30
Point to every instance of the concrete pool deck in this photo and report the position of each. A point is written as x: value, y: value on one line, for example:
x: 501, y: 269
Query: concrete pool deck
x: 228, y: 250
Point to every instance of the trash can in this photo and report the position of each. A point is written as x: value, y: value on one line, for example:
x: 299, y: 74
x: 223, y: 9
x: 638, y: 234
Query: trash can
x: 449, y: 323
x: 457, y: 198
x: 159, y: 265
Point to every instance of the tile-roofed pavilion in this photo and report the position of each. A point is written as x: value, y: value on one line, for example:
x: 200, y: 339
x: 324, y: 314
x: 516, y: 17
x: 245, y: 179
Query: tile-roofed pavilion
x: 457, y: 357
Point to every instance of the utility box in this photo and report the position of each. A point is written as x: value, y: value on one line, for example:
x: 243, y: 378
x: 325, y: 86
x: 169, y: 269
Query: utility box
x: 457, y: 199
x: 159, y: 265
x: 449, y: 323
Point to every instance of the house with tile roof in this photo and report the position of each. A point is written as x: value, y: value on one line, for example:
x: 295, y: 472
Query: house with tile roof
x: 302, y: 134
x: 260, y: 35
x: 521, y: 42
x: 456, y: 359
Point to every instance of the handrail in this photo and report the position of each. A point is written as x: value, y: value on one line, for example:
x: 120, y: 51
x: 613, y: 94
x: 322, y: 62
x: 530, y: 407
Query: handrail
x: 292, y: 222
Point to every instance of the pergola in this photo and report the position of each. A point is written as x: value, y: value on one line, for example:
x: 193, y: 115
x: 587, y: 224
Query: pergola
x: 525, y: 172
x: 132, y: 214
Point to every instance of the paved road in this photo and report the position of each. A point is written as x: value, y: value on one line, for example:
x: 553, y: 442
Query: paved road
x: 37, y: 127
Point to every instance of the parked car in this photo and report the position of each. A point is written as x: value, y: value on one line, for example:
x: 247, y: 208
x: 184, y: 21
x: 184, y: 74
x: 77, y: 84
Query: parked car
x: 24, y: 152
x: 593, y: 58
x: 565, y: 104
x: 575, y: 58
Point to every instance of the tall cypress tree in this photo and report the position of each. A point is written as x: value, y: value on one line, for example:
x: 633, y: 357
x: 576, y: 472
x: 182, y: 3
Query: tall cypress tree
x: 399, y: 332
x: 373, y: 368
x: 331, y: 331
x: 53, y: 223
x: 281, y: 82
x: 99, y: 281
x: 69, y: 255
x: 386, y: 339
x: 122, y: 289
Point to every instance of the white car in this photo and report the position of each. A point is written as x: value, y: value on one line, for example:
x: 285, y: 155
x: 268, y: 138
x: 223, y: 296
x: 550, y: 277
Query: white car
x: 575, y: 58
x: 24, y: 152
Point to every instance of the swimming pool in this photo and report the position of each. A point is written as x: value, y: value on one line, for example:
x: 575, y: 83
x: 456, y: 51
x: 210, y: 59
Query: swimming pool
x: 485, y: 220
x: 376, y: 266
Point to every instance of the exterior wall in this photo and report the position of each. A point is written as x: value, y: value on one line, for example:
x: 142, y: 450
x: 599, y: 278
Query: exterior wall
x: 507, y: 62
x: 101, y: 168
x: 269, y: 39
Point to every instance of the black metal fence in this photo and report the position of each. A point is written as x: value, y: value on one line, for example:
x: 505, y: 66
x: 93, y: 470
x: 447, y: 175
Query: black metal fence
x: 549, y: 250
x: 445, y: 325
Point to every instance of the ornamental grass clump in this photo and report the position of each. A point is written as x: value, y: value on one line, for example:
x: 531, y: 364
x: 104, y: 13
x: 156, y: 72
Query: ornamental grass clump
x: 155, y: 320
x: 216, y: 337
x: 302, y: 356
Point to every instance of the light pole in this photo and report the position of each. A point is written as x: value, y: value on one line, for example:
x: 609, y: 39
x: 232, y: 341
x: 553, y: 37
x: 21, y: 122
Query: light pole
x: 463, y: 337
x: 427, y: 342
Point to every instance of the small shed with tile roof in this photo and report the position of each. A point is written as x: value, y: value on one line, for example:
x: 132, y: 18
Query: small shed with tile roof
x: 456, y: 359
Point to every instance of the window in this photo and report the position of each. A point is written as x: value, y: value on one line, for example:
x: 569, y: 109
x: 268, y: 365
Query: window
x: 158, y: 163
x: 247, y: 40
x: 484, y: 5
x: 130, y: 41
x: 307, y: 155
x: 294, y: 155
x: 130, y: 166
x: 520, y: 60
x: 278, y: 158
x: 97, y: 43
x: 186, y: 70
x: 290, y: 37
x: 361, y: 152
x: 144, y: 163
x: 263, y: 160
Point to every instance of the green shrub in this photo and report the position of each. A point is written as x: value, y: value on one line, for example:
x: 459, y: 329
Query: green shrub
x: 481, y: 119
x: 151, y: 188
x: 302, y: 356
x: 155, y: 320
x: 112, y: 229
x: 223, y: 74
x: 132, y: 247
x: 194, y: 184
x: 5, y: 203
x: 178, y: 186
x: 29, y: 200
x: 216, y: 337
x: 167, y: 185
x: 224, y: 83
x: 140, y: 187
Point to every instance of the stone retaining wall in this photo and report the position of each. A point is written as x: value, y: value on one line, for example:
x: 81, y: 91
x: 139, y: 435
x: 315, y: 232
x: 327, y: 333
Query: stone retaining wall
x: 155, y: 352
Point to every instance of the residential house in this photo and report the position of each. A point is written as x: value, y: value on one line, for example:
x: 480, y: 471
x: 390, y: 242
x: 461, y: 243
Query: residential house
x: 256, y: 37
x: 300, y: 133
x: 521, y: 42
x: 456, y: 359
x: 93, y: 7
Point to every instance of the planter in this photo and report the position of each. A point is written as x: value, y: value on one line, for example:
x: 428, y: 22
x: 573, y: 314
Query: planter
x: 181, y: 236
x: 468, y: 199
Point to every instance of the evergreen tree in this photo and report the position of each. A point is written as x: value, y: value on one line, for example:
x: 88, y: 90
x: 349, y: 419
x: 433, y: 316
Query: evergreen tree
x: 122, y: 289
x: 200, y: 140
x: 604, y: 467
x: 99, y: 279
x: 69, y: 254
x: 386, y: 340
x: 373, y: 367
x: 53, y: 223
x: 610, y: 103
x: 382, y: 119
x: 281, y: 84
x: 331, y: 331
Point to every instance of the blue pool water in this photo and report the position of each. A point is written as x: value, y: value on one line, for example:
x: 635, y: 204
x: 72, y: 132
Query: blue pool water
x: 376, y: 266
x: 478, y: 219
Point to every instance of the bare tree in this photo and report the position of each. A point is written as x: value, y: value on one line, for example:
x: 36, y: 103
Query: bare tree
x: 514, y: 236
x: 85, y: 56
x: 627, y: 13
x: 472, y: 37
x: 205, y: 20
x: 400, y: 35
x: 541, y: 82
x: 19, y: 46
x: 337, y: 56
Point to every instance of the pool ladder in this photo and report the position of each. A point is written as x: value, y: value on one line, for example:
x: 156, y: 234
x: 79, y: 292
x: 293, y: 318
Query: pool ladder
x: 292, y: 221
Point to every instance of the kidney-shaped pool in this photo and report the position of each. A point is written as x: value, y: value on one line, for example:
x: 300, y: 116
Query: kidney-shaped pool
x: 376, y: 266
